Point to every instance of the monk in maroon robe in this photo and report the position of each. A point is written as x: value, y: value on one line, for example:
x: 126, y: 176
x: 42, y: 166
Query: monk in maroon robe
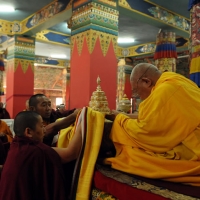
x: 33, y: 170
x: 42, y: 105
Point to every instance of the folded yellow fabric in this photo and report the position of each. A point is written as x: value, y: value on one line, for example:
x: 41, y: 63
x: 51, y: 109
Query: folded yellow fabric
x: 92, y: 123
x: 65, y: 136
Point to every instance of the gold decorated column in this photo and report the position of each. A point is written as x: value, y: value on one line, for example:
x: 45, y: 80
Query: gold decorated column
x: 20, y: 73
x: 165, y: 54
x: 93, y: 45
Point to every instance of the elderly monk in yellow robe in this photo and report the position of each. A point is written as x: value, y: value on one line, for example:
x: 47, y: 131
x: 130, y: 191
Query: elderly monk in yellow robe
x: 164, y: 141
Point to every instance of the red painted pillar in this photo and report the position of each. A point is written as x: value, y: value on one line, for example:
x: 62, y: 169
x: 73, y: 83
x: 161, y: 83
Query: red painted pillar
x: 94, y: 40
x: 20, y: 73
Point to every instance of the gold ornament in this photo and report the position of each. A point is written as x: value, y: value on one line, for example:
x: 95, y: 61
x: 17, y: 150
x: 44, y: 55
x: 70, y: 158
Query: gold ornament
x: 98, y: 100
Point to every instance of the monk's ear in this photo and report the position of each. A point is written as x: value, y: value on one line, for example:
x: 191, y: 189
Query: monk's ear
x: 27, y: 133
x: 147, y: 81
x: 31, y: 108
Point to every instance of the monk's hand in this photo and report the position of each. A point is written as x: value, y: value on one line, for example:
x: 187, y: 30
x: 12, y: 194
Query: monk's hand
x: 49, y: 130
x: 112, y: 115
x: 77, y: 111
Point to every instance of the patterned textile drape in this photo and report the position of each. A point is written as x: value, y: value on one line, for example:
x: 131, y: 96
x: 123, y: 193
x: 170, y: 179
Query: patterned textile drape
x: 2, y: 68
x: 165, y: 54
x: 194, y: 7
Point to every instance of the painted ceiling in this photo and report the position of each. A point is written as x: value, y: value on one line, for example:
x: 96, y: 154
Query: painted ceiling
x: 143, y: 29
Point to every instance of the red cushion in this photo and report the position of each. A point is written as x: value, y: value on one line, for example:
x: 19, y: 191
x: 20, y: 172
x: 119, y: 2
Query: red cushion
x: 120, y: 190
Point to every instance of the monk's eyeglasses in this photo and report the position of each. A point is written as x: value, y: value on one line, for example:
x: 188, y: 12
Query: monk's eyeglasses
x: 134, y: 91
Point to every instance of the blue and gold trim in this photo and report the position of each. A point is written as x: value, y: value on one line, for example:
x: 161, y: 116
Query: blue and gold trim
x: 48, y: 61
x: 38, y: 20
x: 148, y: 48
x: 54, y: 37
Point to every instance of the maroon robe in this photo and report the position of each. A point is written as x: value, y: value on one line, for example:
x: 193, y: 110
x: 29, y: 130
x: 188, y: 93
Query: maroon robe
x: 32, y: 171
x: 53, y: 117
x: 2, y: 153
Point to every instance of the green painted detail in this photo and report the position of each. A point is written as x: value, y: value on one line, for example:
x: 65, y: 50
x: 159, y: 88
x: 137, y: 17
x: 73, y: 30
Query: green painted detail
x: 94, y: 27
x: 106, y: 3
x: 9, y: 57
x: 96, y: 19
x: 24, y: 51
x: 24, y: 57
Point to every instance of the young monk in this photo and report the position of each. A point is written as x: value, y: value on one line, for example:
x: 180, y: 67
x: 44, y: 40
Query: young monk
x: 33, y: 170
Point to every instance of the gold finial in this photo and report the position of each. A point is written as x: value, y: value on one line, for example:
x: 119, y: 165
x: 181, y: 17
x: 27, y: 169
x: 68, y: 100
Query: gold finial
x: 98, y: 80
x: 124, y: 97
x: 98, y: 84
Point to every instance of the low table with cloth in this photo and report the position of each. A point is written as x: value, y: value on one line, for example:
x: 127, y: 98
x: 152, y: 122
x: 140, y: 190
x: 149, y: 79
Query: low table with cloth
x: 92, y: 179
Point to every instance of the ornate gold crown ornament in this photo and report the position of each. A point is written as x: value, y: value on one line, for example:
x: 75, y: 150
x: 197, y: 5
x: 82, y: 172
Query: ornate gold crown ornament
x: 98, y: 100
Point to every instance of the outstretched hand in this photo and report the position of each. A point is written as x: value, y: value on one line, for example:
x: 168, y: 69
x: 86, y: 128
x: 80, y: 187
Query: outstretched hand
x: 77, y: 111
x: 53, y: 128
x: 49, y: 130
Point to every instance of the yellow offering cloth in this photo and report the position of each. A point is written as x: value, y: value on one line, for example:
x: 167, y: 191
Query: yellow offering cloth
x: 92, y: 124
x: 65, y: 136
x: 164, y: 142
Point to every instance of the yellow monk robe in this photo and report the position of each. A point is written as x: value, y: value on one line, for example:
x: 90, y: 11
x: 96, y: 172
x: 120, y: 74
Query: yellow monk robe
x: 164, y: 142
x: 6, y: 130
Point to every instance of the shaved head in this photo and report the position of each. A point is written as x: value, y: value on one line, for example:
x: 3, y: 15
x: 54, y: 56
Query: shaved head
x: 23, y: 120
x: 143, y: 78
x: 140, y: 69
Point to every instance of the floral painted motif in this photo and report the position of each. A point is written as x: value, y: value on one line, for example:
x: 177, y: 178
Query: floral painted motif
x: 169, y: 18
x: 100, y: 195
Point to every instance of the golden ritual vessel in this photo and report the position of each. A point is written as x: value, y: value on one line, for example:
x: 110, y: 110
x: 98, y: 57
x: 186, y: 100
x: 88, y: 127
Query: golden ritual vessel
x: 98, y: 99
x: 124, y: 104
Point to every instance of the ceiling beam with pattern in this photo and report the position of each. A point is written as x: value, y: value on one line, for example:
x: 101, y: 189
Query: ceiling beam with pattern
x: 150, y: 13
x: 50, y: 15
x: 149, y: 48
x: 53, y: 37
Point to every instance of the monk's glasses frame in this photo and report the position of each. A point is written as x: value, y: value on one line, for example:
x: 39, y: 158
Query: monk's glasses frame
x: 134, y: 91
